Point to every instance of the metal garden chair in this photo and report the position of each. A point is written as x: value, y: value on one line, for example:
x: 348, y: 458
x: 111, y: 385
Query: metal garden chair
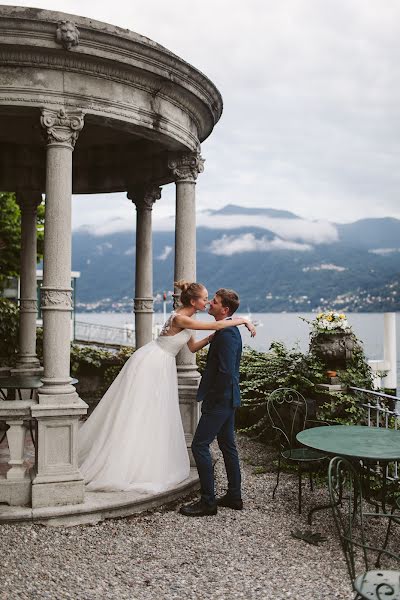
x: 346, y: 501
x: 287, y: 410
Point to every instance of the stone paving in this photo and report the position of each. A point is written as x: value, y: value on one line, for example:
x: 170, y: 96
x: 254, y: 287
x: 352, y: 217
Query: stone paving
x: 162, y: 555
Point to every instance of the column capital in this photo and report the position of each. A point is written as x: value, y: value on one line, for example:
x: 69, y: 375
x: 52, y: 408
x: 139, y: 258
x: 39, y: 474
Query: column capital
x: 144, y: 196
x: 62, y: 127
x: 186, y: 167
x: 28, y: 199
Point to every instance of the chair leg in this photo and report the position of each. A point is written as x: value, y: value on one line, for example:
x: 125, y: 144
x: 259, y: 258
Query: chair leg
x: 311, y: 481
x: 299, y: 474
x: 277, y: 477
x: 385, y: 543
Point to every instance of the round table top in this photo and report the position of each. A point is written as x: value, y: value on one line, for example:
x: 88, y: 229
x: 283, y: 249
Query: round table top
x: 355, y: 441
x: 23, y: 382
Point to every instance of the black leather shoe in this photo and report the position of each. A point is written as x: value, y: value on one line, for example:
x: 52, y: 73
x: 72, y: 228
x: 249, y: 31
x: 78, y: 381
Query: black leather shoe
x: 236, y: 504
x: 198, y: 509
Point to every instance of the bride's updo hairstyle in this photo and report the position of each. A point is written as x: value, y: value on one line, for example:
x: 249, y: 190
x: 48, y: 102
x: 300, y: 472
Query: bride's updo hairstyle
x: 189, y: 291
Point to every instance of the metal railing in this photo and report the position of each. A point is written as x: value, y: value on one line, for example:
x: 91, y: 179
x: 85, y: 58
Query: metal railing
x: 104, y: 334
x: 382, y: 410
x: 115, y: 337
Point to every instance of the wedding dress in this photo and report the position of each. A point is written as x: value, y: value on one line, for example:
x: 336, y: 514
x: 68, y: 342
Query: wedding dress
x: 134, y: 438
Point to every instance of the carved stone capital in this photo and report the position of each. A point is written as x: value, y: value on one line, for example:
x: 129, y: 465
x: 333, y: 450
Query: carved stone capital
x: 28, y: 305
x: 143, y: 305
x: 56, y: 299
x: 28, y: 201
x: 186, y: 167
x: 62, y: 127
x: 144, y: 196
x: 67, y: 34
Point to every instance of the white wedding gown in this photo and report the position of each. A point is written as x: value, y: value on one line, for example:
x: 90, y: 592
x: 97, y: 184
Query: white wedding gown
x: 134, y: 438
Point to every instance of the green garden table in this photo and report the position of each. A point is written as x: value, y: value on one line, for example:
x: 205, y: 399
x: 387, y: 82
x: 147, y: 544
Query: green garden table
x: 354, y: 441
x: 357, y: 443
x: 16, y: 384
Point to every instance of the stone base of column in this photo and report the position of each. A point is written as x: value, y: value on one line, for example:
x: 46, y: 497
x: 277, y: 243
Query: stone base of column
x: 58, y: 493
x: 16, y: 493
x: 188, y: 375
x: 57, y: 479
x: 190, y: 412
x: 20, y: 370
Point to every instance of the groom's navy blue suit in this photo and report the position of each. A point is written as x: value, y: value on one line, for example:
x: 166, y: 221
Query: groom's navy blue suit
x: 220, y: 394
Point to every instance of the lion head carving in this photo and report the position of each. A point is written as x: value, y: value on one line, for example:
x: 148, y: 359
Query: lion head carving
x: 67, y: 34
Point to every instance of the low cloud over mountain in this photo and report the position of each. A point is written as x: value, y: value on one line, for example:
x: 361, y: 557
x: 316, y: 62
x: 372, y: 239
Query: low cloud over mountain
x: 248, y: 242
x: 275, y: 259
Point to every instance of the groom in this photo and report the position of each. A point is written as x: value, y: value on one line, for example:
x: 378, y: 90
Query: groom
x: 220, y: 394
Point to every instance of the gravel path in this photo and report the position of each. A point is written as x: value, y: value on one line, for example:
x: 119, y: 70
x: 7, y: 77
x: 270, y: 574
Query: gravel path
x: 162, y: 555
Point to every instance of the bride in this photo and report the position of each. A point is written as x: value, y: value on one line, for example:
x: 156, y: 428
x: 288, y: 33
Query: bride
x: 134, y: 438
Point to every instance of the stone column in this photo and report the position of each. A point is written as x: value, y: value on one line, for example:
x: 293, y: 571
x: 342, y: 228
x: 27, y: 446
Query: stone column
x: 58, y: 480
x: 144, y: 197
x: 27, y: 359
x: 186, y: 168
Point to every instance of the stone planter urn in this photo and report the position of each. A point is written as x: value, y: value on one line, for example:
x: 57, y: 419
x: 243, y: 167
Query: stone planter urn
x: 334, y: 349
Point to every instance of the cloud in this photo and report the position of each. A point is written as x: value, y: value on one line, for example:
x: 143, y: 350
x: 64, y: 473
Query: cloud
x: 325, y: 267
x: 384, y: 251
x: 247, y: 242
x: 165, y: 253
x: 303, y: 231
x: 101, y: 248
x: 310, y: 232
x: 311, y: 95
x: 110, y: 226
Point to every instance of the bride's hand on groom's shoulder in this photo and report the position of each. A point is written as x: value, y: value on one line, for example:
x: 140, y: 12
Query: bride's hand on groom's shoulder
x: 251, y: 328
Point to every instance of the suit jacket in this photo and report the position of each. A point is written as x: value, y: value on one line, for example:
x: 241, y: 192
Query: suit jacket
x: 219, y: 385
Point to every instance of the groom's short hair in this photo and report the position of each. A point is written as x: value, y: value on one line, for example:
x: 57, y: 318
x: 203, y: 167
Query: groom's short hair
x: 229, y: 299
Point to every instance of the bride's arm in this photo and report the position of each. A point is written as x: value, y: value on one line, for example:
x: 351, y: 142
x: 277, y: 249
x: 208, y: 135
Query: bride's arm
x: 196, y: 346
x: 188, y: 323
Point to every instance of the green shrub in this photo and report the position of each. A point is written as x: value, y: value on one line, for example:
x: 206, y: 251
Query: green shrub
x: 91, y: 360
x: 261, y: 373
x: 9, y: 328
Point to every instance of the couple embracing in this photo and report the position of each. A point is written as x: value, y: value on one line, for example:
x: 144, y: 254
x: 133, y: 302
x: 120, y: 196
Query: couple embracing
x: 134, y: 439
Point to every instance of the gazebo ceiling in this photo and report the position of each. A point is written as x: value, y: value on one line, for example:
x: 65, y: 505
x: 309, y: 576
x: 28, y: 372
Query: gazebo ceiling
x: 140, y: 102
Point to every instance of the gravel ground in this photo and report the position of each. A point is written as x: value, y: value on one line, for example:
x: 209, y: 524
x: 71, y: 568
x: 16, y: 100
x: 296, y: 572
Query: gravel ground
x: 164, y: 556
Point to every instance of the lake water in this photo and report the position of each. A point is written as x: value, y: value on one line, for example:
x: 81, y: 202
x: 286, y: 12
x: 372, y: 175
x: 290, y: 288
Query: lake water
x: 285, y: 327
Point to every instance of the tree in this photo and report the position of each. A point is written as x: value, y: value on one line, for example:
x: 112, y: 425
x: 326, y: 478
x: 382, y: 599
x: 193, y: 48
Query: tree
x: 10, y: 235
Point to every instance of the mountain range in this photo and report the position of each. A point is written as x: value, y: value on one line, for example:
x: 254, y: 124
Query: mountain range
x: 276, y: 260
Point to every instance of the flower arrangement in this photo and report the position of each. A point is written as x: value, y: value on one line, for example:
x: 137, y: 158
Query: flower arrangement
x: 329, y: 322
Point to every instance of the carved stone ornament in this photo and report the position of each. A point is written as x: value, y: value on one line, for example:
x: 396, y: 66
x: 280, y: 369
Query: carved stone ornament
x: 27, y: 305
x: 67, y: 35
x: 187, y: 166
x: 62, y: 127
x: 144, y: 197
x: 28, y: 201
x: 143, y: 305
x: 176, y: 300
x: 59, y: 299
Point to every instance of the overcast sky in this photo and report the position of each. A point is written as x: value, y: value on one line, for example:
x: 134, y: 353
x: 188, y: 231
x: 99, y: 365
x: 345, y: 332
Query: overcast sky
x: 311, y: 93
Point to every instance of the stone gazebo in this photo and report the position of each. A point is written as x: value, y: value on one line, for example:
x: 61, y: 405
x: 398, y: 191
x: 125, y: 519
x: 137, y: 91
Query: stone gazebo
x: 86, y: 107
